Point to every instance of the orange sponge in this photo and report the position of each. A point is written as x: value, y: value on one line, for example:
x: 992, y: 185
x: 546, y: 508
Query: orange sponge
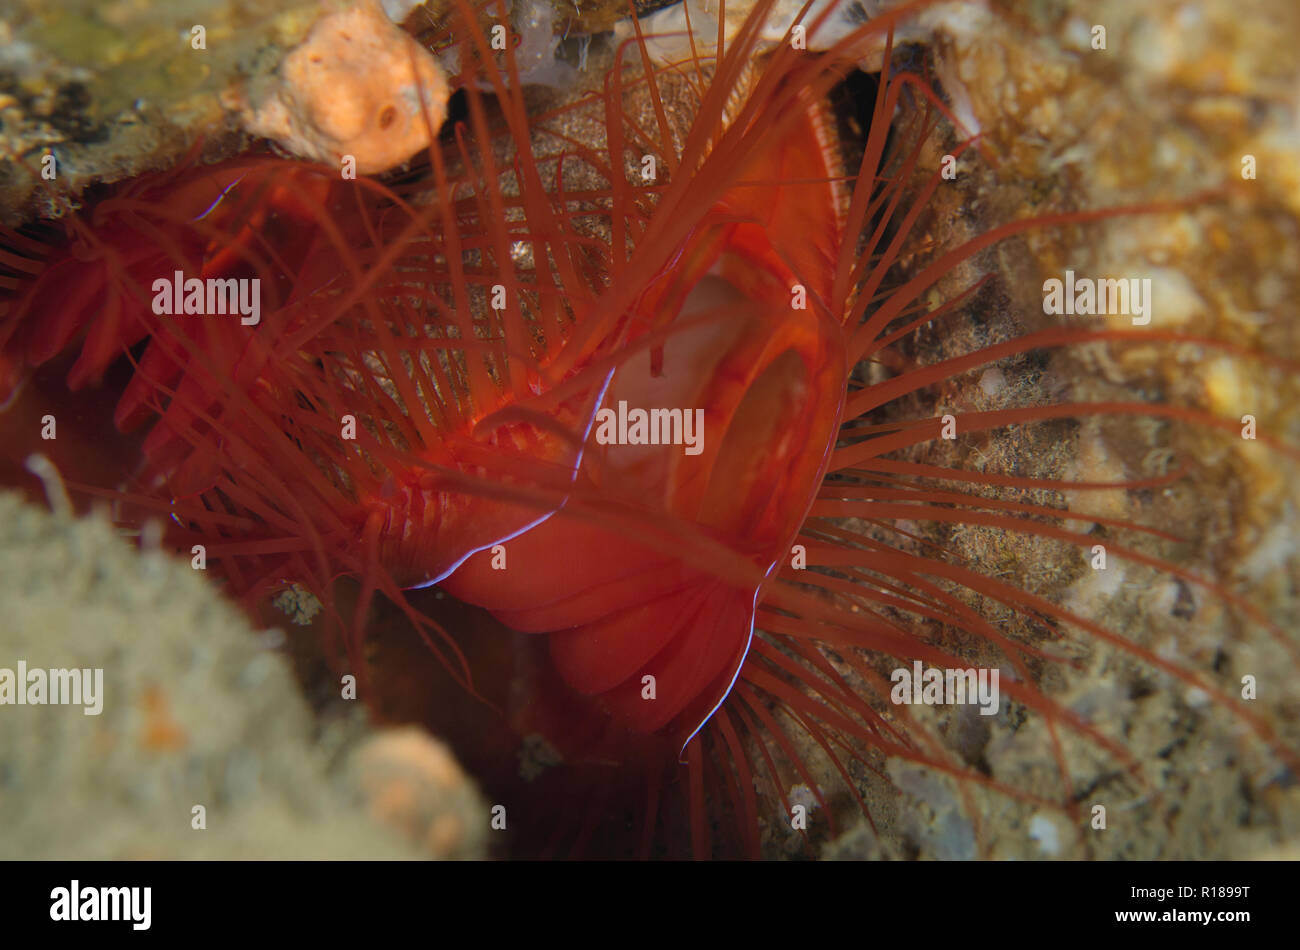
x: 356, y: 86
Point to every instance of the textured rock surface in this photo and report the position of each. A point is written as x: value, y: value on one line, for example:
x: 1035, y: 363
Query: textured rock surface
x: 112, y: 90
x: 1182, y: 93
x: 197, y: 710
